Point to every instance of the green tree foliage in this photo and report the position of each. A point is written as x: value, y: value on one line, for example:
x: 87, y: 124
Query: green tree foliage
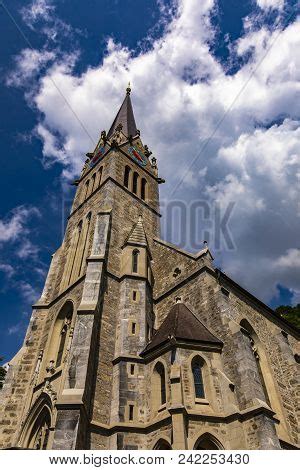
x: 291, y: 314
x: 2, y: 374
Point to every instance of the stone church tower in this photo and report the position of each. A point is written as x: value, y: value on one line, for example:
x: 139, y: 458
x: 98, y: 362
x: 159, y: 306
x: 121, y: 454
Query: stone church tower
x: 138, y: 344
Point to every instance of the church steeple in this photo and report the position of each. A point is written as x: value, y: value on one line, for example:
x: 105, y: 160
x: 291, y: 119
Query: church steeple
x: 125, y: 118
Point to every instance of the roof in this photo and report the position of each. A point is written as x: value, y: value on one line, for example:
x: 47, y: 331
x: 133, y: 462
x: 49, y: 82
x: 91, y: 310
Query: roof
x: 137, y: 234
x: 181, y: 324
x: 125, y: 117
x: 272, y: 313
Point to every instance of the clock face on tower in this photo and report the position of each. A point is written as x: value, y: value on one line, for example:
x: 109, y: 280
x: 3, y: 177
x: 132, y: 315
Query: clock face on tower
x: 137, y: 156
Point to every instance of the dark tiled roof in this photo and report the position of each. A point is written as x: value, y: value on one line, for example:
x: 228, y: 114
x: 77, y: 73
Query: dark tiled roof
x: 181, y: 324
x: 125, y: 117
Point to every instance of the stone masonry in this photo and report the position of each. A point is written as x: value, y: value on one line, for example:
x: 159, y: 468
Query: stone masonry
x: 138, y: 344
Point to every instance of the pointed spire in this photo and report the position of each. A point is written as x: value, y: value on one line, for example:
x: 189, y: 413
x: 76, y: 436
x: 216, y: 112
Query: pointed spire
x: 138, y: 235
x: 125, y: 118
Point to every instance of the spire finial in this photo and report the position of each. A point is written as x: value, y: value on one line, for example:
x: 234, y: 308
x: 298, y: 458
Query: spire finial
x: 128, y: 89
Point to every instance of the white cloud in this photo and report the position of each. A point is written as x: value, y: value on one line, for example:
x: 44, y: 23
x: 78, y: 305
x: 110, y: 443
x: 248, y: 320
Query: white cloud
x: 27, y: 65
x: 37, y: 10
x: 291, y: 259
x: 16, y: 329
x: 7, y: 269
x: 14, y: 227
x: 184, y: 102
x: 27, y: 250
x: 28, y: 292
x: 41, y: 15
x: 269, y: 4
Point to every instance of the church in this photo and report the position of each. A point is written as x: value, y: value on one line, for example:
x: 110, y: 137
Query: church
x: 136, y: 343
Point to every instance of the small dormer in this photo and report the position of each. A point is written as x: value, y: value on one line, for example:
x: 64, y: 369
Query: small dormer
x: 136, y: 257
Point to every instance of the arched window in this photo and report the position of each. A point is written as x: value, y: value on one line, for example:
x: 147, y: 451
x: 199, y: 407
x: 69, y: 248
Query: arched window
x: 135, y: 182
x: 207, y: 442
x: 82, y: 252
x: 39, y: 434
x: 161, y: 371
x: 197, y: 364
x: 93, y: 182
x: 87, y: 184
x: 162, y: 444
x: 135, y: 261
x: 126, y: 176
x: 158, y: 386
x: 143, y: 189
x: 100, y: 175
x: 73, y: 253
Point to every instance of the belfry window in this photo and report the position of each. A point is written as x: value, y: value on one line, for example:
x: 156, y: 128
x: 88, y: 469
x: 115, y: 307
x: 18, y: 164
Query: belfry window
x: 135, y: 261
x: 87, y: 184
x: 197, y: 365
x: 143, y: 189
x: 73, y: 253
x: 100, y: 175
x: 135, y: 182
x: 126, y: 176
x: 93, y: 182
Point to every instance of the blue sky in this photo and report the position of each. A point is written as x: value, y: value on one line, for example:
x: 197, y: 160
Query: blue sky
x: 215, y: 87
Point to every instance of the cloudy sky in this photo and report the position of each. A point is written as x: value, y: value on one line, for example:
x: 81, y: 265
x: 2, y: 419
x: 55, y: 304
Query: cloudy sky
x: 216, y: 96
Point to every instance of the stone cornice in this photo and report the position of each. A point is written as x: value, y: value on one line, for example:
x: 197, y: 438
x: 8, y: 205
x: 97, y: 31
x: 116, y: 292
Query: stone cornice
x: 145, y: 428
x: 110, y: 178
x: 182, y: 344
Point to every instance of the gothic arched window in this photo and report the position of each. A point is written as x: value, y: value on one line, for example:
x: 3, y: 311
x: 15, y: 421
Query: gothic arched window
x: 86, y: 192
x: 126, y: 176
x: 207, y: 442
x: 39, y: 435
x: 82, y: 252
x: 143, y: 189
x: 135, y: 261
x: 135, y: 182
x: 162, y: 444
x: 197, y: 364
x: 159, y: 386
x: 93, y: 182
x: 73, y: 254
x: 100, y: 175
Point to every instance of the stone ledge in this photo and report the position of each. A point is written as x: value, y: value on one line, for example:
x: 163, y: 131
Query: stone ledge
x: 145, y: 428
